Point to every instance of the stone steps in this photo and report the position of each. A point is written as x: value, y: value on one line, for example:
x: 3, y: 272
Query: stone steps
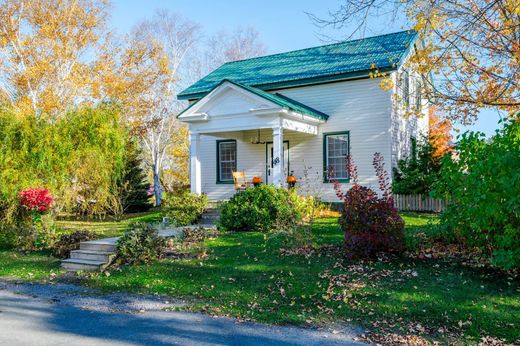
x: 210, y: 216
x: 75, y: 264
x: 93, y: 255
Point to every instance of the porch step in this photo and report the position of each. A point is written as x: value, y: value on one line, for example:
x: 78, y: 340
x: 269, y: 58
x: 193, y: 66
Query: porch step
x: 74, y: 264
x: 101, y: 256
x: 210, y: 216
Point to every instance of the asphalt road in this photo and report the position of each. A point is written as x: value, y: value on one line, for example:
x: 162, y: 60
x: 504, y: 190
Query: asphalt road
x: 30, y: 319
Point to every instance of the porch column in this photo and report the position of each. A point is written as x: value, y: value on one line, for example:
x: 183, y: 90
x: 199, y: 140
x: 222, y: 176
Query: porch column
x: 278, y: 159
x: 195, y: 171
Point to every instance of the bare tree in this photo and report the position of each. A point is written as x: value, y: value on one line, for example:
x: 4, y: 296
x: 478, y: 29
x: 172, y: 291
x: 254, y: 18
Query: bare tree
x: 471, y: 48
x: 241, y: 43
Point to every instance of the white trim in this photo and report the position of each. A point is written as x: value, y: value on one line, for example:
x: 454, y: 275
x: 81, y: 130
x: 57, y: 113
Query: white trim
x: 216, y: 92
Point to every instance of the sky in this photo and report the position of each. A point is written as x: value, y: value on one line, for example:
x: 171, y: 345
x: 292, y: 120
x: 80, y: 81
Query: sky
x: 283, y: 26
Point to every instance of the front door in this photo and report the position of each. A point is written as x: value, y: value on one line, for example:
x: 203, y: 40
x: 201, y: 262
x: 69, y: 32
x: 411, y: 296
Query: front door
x: 269, y: 161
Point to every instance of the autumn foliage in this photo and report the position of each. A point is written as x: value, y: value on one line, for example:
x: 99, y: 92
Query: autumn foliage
x: 440, y: 137
x: 36, y: 199
x: 370, y: 223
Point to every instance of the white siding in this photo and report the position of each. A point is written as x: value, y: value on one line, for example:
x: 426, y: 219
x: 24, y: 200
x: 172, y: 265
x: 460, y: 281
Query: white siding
x: 405, y: 125
x: 359, y: 106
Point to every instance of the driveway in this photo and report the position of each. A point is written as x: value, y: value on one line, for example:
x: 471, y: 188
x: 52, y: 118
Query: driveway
x: 71, y: 315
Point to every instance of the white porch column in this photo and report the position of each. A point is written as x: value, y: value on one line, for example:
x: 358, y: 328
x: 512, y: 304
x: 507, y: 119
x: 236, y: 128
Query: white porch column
x: 195, y: 171
x: 278, y: 159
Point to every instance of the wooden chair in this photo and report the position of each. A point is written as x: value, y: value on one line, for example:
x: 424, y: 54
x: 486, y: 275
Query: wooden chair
x: 239, y: 179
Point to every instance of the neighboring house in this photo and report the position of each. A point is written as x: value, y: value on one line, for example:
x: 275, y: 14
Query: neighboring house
x: 303, y: 110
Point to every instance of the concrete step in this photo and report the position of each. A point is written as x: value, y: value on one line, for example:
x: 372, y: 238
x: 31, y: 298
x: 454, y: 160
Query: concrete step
x: 103, y: 245
x: 92, y: 255
x: 74, y: 264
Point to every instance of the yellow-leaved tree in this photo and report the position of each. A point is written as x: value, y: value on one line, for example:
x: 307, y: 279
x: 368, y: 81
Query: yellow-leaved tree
x: 468, y: 52
x: 46, y: 52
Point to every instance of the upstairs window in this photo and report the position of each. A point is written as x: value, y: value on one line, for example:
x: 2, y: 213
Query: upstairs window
x: 226, y: 160
x: 405, y: 84
x: 418, y: 95
x: 336, y: 148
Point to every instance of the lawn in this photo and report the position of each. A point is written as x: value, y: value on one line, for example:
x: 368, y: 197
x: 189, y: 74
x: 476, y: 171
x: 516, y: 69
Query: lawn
x: 105, y: 227
x: 245, y: 276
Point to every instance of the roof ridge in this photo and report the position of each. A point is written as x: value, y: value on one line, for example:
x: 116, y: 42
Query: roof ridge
x: 325, y: 45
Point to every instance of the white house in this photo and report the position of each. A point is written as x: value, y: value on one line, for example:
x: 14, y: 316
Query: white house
x: 304, y: 110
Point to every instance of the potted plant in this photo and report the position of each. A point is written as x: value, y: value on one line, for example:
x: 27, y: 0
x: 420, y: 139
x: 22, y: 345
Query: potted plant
x: 291, y: 180
x: 257, y: 181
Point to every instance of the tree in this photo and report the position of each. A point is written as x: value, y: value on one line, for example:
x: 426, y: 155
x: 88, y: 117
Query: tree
x: 418, y: 173
x: 241, y: 43
x: 174, y: 62
x: 471, y: 48
x: 133, y: 183
x: 168, y: 39
x: 47, y: 50
x: 440, y: 137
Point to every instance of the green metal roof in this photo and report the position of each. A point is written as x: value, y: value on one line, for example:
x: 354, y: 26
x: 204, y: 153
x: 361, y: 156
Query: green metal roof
x: 312, y: 65
x: 278, y: 99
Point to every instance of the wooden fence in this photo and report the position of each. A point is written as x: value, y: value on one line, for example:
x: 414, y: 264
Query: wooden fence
x: 419, y: 203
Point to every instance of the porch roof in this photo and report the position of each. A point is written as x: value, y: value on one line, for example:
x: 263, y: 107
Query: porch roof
x: 278, y: 99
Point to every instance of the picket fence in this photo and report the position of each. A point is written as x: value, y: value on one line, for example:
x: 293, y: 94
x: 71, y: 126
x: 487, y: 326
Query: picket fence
x: 419, y: 203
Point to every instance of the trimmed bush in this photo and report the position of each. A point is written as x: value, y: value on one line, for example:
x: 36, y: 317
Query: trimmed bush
x: 370, y: 223
x: 140, y: 244
x: 69, y: 242
x: 262, y: 209
x: 183, y: 207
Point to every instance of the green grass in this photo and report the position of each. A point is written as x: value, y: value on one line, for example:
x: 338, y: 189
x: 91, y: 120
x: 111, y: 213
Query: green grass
x: 33, y: 266
x: 105, y: 228
x: 245, y: 276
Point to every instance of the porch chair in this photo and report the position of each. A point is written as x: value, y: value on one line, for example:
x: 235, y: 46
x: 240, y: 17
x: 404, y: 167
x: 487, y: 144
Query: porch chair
x: 239, y: 179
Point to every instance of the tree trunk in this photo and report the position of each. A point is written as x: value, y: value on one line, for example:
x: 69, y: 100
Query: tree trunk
x: 157, y: 189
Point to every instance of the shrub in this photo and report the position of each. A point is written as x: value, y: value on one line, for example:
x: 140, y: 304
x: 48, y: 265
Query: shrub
x: 482, y: 185
x: 140, y: 244
x: 261, y: 209
x: 417, y: 173
x: 69, y: 242
x: 184, y: 207
x: 370, y: 223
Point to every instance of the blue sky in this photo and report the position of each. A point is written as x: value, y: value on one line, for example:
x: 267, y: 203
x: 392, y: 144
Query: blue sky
x: 283, y: 25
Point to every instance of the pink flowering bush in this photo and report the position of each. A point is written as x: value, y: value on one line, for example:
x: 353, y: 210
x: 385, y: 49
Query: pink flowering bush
x: 36, y: 199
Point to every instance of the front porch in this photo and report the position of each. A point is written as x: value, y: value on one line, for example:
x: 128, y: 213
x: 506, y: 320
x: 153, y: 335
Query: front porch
x: 266, y: 153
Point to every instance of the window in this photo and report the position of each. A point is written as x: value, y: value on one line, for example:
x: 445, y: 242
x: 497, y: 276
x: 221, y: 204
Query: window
x: 336, y: 147
x: 226, y: 160
x: 406, y: 88
x: 418, y: 96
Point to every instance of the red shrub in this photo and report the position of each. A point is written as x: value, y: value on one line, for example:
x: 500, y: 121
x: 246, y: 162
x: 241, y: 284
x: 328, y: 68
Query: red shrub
x: 36, y: 199
x: 371, y: 224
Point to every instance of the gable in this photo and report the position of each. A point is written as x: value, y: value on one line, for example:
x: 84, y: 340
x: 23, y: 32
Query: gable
x: 232, y: 101
x: 231, y: 98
